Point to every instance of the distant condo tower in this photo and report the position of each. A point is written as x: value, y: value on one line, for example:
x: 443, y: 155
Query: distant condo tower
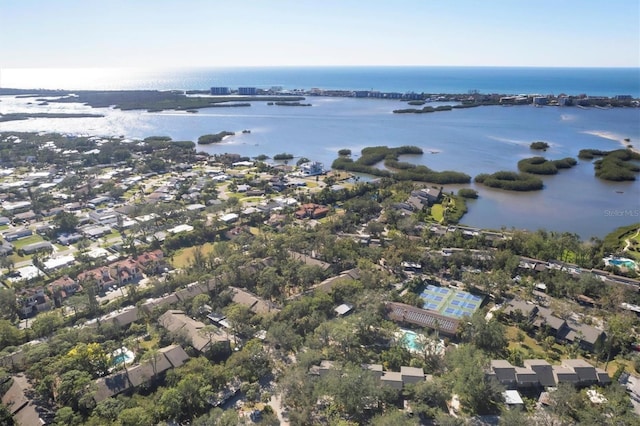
x: 249, y: 91
x: 220, y: 91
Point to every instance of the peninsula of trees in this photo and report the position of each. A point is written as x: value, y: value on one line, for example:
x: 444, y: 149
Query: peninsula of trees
x: 400, y: 170
x: 214, y: 138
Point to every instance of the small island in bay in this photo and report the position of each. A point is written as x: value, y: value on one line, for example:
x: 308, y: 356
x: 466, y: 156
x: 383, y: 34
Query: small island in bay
x: 616, y: 165
x: 283, y: 103
x: 539, y: 146
x: 283, y: 156
x: 423, y: 110
x: 542, y: 166
x: 510, y: 181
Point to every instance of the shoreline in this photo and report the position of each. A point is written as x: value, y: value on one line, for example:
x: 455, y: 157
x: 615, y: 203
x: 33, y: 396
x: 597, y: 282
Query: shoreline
x: 613, y: 137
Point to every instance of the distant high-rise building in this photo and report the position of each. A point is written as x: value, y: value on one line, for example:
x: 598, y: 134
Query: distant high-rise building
x: 247, y: 91
x: 220, y: 91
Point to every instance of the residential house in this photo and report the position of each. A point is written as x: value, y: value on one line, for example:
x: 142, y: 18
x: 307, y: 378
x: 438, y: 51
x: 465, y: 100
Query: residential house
x: 121, y: 317
x: 152, y: 262
x: 126, y: 271
x: 23, y: 409
x: 37, y: 247
x: 538, y: 373
x: 312, y: 211
x: 62, y: 288
x: 343, y: 310
x: 411, y: 375
x: 253, y: 302
x: 180, y: 323
x: 168, y: 357
x: 18, y: 234
x: 100, y: 277
x: 588, y: 337
x: 68, y: 239
x: 31, y: 301
x: 312, y: 168
x: 428, y: 196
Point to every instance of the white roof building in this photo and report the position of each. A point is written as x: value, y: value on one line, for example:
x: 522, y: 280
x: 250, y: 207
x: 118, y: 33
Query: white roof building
x: 180, y: 228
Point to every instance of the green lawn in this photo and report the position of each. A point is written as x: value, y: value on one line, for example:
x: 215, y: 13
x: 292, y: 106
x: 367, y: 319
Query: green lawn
x: 25, y: 241
x: 183, y: 257
x: 251, y: 199
x: 437, y: 212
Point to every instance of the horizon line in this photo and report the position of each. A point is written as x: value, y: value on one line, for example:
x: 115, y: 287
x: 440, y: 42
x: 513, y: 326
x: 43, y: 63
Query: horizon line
x: 319, y: 66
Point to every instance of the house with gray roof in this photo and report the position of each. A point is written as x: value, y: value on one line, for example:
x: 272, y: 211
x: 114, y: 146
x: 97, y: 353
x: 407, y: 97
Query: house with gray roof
x: 254, y: 303
x: 23, y: 409
x: 172, y: 356
x: 539, y: 373
x: 543, y: 371
x: 392, y: 379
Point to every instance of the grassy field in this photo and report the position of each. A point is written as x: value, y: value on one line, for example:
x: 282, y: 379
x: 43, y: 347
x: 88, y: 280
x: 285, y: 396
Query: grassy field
x: 183, y: 257
x: 251, y: 199
x: 529, y: 346
x: 437, y: 212
x: 29, y: 240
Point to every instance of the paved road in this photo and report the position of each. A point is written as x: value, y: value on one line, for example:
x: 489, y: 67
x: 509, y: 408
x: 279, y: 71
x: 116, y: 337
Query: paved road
x: 276, y: 404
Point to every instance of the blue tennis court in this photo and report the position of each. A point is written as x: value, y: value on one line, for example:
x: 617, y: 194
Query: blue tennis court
x: 449, y: 302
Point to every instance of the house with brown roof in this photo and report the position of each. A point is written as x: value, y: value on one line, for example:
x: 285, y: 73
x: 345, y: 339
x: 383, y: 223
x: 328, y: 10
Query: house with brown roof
x: 256, y: 304
x: 126, y: 271
x: 179, y: 322
x: 62, y: 288
x: 312, y: 211
x: 100, y: 277
x: 151, y: 262
x: 402, y: 313
x: 24, y: 410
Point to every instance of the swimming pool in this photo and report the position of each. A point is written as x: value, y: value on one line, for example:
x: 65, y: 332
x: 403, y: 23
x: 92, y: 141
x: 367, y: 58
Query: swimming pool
x: 121, y: 356
x: 410, y: 340
x: 621, y: 261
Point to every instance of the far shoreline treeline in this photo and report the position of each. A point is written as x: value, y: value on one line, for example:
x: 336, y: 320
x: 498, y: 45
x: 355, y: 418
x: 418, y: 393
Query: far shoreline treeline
x: 184, y: 100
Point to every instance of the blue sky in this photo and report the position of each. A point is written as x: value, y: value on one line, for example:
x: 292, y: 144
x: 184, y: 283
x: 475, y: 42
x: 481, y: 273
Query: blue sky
x: 163, y: 33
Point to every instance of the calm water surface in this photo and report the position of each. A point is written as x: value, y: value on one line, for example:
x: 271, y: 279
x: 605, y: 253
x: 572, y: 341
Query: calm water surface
x: 478, y: 140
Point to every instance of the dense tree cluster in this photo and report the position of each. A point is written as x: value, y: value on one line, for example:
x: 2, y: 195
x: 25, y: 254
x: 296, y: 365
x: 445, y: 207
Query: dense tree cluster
x: 510, y: 181
x: 542, y: 166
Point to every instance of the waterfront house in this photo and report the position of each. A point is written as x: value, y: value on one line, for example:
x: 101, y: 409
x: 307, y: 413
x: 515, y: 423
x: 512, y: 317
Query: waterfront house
x: 312, y: 168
